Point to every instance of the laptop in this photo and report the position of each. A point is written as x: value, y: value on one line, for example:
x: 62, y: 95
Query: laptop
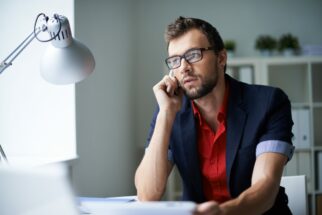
x: 36, y: 191
x: 46, y: 190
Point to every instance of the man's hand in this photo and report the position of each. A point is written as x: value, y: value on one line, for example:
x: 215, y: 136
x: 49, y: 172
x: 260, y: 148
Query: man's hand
x: 208, y: 208
x: 168, y: 94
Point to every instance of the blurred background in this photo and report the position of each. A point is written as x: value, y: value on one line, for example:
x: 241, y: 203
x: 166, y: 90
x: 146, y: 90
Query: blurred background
x: 110, y: 112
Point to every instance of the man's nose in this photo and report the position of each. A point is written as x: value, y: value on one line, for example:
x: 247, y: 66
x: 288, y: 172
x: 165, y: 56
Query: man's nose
x: 185, y: 66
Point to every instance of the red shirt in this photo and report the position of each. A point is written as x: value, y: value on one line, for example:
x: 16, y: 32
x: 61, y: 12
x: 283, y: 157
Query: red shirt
x: 212, y: 153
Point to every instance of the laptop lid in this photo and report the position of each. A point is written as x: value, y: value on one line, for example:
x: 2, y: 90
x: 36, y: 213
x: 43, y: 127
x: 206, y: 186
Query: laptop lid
x: 36, y: 191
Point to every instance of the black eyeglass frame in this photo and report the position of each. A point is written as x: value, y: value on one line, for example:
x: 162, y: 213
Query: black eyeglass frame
x: 184, y: 56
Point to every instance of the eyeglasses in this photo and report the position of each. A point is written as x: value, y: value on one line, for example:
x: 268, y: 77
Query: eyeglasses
x: 192, y: 56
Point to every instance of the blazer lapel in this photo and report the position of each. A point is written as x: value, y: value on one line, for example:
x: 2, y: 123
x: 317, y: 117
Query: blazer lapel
x: 189, y: 144
x: 235, y: 124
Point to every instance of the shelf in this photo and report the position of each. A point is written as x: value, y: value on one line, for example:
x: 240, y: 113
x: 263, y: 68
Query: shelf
x: 293, y: 60
x: 241, y: 61
x: 317, y: 148
x: 302, y: 150
x: 317, y: 105
x: 317, y: 192
x: 300, y: 105
x: 278, y: 60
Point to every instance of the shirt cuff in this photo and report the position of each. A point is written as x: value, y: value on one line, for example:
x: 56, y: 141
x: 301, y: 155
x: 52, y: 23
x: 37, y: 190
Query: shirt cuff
x: 276, y: 146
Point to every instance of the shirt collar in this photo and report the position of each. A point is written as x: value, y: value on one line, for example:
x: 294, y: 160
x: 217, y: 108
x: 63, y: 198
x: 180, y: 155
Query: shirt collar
x: 221, y: 116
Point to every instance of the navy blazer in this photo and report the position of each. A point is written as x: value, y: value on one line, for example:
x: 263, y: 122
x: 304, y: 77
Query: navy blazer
x: 255, y: 114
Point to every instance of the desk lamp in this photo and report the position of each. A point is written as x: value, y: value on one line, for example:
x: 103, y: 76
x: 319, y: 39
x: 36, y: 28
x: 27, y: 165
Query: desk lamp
x: 66, y: 60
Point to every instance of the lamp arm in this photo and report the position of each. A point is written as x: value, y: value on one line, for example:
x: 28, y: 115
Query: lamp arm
x: 8, y: 60
x: 3, y: 155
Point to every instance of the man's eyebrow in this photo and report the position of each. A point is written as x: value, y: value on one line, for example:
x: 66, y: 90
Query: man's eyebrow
x: 175, y: 55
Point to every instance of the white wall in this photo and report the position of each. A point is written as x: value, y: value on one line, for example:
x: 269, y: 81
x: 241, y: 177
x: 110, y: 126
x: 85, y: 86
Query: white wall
x: 105, y: 126
x: 37, y: 118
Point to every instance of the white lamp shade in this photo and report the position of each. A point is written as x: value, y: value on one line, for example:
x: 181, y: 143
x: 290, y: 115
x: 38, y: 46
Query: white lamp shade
x: 67, y: 65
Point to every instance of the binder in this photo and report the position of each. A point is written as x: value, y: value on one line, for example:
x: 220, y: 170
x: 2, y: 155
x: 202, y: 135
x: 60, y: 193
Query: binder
x: 304, y: 128
x: 301, y: 128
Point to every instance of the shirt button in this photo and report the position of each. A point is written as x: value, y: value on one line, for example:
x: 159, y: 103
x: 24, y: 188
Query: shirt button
x: 220, y: 117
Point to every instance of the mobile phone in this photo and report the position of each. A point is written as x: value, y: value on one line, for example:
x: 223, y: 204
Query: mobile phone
x: 171, y: 74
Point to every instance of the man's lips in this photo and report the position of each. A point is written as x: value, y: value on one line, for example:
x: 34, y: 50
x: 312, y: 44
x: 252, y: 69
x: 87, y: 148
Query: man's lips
x: 188, y: 80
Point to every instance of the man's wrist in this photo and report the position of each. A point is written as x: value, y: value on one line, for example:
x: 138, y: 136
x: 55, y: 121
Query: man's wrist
x: 168, y: 113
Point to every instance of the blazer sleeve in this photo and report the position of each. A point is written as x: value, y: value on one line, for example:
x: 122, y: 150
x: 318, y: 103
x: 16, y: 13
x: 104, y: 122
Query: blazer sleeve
x: 279, y: 122
x: 152, y: 125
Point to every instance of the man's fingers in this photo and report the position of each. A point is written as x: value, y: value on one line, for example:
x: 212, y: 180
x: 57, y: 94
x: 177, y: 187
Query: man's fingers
x: 171, y: 84
x: 207, y: 208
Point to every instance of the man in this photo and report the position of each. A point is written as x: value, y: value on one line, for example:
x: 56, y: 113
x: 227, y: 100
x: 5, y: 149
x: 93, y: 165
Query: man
x: 229, y: 140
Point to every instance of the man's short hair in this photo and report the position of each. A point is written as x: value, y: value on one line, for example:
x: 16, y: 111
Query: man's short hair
x: 182, y: 25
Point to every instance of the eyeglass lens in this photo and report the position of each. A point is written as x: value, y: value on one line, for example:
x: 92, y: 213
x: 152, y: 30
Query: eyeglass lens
x: 191, y: 56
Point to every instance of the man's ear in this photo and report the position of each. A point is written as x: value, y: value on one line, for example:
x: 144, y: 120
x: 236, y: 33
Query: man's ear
x: 222, y: 58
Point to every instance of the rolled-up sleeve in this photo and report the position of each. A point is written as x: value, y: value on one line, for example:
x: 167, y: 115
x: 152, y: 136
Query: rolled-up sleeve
x: 275, y: 146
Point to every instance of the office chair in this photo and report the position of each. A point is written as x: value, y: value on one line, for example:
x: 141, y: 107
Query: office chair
x: 295, y: 188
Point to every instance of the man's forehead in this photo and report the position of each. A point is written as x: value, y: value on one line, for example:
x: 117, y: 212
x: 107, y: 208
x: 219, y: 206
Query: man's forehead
x: 193, y: 38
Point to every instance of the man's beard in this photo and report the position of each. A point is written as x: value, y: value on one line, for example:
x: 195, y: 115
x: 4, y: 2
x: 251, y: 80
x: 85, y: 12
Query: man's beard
x: 206, y: 87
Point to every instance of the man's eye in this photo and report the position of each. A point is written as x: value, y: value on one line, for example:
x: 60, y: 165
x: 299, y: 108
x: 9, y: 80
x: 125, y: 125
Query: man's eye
x: 192, y: 55
x: 175, y: 60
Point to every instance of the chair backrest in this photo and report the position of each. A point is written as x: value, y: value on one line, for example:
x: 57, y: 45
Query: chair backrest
x: 295, y: 188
